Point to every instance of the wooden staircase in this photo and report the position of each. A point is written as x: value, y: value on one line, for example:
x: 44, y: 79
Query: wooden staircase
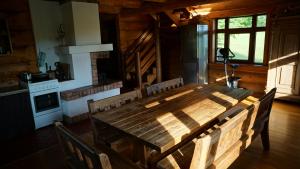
x: 141, y: 60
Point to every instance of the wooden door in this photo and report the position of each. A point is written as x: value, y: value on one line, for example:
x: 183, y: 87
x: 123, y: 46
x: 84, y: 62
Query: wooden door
x: 284, y: 63
x: 287, y: 62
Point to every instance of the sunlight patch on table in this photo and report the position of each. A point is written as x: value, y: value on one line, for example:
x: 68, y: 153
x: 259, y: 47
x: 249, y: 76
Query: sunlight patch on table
x: 226, y: 98
x: 178, y: 95
x: 152, y: 104
x: 171, y: 128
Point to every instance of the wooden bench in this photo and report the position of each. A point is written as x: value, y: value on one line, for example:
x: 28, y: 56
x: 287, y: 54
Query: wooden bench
x: 102, y: 133
x: 80, y: 155
x: 221, y: 145
x: 164, y: 86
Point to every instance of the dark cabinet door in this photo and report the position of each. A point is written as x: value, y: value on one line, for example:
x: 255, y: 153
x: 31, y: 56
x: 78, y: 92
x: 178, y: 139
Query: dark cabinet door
x: 189, y: 53
x: 194, y: 53
x: 16, y: 116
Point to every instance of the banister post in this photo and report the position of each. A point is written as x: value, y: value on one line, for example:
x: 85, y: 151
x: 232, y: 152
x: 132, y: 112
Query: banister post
x: 138, y: 70
x: 157, y: 49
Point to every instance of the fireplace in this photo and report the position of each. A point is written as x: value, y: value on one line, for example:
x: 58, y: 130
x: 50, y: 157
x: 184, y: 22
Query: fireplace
x: 107, y: 70
x: 104, y: 68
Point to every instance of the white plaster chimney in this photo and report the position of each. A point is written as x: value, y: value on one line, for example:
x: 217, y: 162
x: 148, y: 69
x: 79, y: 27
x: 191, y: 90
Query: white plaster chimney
x: 82, y: 27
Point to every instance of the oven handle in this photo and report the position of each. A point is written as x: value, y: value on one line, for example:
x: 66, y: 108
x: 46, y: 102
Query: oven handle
x: 56, y: 90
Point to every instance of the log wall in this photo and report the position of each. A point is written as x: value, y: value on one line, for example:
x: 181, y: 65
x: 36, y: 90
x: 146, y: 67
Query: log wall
x: 252, y: 77
x: 131, y: 27
x: 23, y: 57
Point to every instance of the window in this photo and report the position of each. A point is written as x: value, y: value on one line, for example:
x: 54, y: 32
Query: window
x: 245, y: 36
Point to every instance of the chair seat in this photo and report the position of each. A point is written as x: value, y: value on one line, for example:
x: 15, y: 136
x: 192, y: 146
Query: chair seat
x: 179, y: 159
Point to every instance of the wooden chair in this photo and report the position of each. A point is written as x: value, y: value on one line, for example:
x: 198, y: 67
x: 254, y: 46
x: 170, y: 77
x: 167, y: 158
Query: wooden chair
x: 261, y: 125
x: 102, y: 133
x: 164, y: 86
x: 80, y: 155
x: 222, y: 144
x: 216, y: 148
x: 262, y: 108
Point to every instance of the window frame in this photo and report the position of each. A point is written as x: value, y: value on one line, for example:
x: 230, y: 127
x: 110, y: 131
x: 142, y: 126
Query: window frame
x: 252, y: 31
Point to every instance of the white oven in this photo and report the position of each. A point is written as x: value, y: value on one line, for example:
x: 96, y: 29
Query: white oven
x: 45, y: 102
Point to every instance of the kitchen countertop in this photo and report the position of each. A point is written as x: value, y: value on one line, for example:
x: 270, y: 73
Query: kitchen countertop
x: 5, y: 91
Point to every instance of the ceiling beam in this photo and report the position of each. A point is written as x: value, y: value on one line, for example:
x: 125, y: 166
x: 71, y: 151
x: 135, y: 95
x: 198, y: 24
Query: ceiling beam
x: 159, y: 1
x: 160, y: 7
x: 121, y: 3
x: 175, y: 17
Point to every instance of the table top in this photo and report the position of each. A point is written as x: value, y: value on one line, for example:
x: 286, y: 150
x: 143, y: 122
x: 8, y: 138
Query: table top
x: 164, y: 120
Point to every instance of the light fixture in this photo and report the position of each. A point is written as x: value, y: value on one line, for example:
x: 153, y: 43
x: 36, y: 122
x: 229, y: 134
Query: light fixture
x: 199, y: 11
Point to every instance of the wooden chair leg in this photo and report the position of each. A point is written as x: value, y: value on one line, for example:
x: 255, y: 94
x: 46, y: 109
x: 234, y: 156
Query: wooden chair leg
x: 265, y: 136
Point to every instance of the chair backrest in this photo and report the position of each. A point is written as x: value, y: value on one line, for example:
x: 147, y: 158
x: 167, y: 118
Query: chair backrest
x: 264, y: 109
x: 113, y: 102
x: 164, y: 86
x: 78, y: 154
x: 221, y: 144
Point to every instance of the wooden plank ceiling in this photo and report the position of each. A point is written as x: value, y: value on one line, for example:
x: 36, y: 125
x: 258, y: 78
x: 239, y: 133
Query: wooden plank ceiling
x: 127, y: 7
x: 180, y: 11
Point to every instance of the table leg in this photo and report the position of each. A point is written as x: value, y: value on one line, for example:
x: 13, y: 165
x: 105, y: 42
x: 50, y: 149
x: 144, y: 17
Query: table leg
x: 142, y: 154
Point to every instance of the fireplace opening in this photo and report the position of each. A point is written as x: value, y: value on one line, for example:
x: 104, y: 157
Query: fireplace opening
x: 107, y: 71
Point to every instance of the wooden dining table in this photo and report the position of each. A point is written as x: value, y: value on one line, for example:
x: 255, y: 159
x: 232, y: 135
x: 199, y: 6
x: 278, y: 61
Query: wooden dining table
x: 166, y: 120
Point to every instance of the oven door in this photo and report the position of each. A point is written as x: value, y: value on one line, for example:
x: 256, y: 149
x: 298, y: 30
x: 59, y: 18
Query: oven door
x: 45, y: 102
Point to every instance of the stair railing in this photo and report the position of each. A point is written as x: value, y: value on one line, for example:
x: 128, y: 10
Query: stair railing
x: 134, y: 51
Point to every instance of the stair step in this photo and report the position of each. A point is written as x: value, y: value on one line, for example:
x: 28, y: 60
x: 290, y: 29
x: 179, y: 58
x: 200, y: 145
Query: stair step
x: 146, y: 36
x: 149, y: 55
x: 146, y: 48
x: 144, y: 58
x: 148, y: 64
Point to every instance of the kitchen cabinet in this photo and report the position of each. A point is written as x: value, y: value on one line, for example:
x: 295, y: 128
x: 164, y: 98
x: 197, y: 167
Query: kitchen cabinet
x: 16, y: 115
x: 284, y: 63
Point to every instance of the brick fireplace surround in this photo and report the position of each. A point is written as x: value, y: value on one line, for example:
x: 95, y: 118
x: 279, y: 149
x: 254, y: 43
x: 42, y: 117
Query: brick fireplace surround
x: 94, y: 57
x: 95, y: 88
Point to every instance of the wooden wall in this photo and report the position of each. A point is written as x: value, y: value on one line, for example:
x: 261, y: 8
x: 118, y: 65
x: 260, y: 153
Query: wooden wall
x: 23, y: 57
x: 131, y: 27
x: 170, y: 53
x: 252, y: 77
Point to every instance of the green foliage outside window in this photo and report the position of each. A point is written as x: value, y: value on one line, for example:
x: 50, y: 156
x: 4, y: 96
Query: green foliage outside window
x: 221, y: 23
x: 261, y: 21
x: 238, y: 32
x: 240, y: 22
